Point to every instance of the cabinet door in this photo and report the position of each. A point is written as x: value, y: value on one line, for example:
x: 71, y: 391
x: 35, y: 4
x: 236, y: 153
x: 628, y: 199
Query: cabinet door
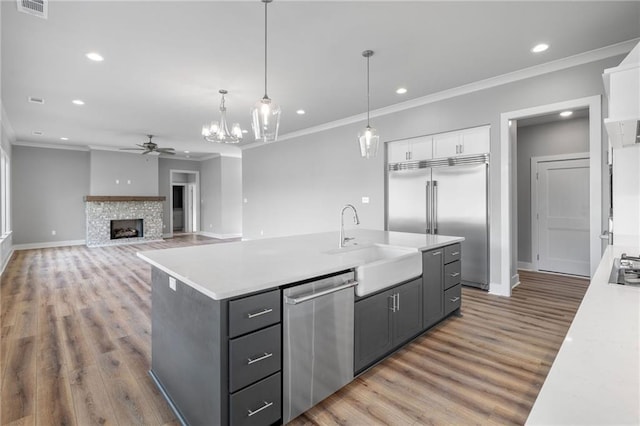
x: 397, y: 152
x: 421, y: 148
x: 372, y: 329
x: 475, y: 141
x: 433, y: 288
x: 446, y: 144
x: 407, y: 318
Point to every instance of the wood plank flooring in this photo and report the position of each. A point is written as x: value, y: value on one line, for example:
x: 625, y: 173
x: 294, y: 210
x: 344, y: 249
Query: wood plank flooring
x: 75, y: 348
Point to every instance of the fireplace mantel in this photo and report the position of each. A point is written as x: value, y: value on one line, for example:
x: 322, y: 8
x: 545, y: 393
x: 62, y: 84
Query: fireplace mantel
x: 112, y: 198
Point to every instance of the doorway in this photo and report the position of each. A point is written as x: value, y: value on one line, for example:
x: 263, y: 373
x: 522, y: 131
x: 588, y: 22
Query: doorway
x: 184, y: 212
x: 560, y: 214
x: 505, y: 277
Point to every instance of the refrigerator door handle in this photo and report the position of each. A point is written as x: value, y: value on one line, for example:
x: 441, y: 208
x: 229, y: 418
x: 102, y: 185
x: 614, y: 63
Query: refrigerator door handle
x: 428, y: 189
x: 434, y: 203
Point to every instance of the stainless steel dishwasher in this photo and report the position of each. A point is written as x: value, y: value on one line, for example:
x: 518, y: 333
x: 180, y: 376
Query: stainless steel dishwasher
x: 317, y: 341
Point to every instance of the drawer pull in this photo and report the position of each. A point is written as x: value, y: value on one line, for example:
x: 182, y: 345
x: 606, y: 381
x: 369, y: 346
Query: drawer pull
x: 260, y: 358
x: 454, y: 300
x: 455, y: 253
x: 438, y: 253
x: 257, y: 314
x: 455, y: 274
x: 266, y: 405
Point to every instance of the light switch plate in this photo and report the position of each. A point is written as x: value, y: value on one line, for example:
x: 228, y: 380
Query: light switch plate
x: 172, y: 283
x: 365, y: 200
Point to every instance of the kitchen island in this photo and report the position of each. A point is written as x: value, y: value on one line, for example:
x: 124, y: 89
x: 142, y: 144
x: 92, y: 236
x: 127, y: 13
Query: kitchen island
x: 212, y: 304
x: 595, y: 378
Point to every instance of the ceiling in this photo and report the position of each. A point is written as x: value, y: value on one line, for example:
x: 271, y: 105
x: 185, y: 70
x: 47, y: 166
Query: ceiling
x: 166, y: 60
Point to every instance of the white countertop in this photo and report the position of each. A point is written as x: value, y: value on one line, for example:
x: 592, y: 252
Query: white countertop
x: 232, y: 269
x: 595, y: 378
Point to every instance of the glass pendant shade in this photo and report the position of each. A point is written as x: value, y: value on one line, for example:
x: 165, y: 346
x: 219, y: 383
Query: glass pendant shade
x: 265, y: 117
x: 369, y: 142
x: 219, y: 131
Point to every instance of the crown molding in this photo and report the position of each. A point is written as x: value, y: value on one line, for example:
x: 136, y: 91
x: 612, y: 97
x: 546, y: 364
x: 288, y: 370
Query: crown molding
x: 6, y: 124
x: 51, y: 146
x: 523, y: 74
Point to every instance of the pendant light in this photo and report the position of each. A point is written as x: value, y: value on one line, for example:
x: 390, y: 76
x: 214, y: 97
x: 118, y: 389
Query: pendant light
x: 219, y: 132
x: 265, y: 114
x: 368, y: 137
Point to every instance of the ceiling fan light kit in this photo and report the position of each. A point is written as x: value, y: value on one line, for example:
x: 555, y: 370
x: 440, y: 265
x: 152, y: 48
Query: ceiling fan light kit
x: 219, y: 131
x: 368, y: 137
x: 265, y: 114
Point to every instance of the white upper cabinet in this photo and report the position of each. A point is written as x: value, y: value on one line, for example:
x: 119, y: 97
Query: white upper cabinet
x: 414, y: 149
x: 462, y: 142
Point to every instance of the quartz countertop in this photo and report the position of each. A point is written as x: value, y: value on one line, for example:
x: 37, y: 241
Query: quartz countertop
x: 595, y: 378
x: 222, y: 271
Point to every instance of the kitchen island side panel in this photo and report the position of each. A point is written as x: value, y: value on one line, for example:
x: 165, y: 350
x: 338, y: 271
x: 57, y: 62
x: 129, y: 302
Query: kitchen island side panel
x: 189, y: 350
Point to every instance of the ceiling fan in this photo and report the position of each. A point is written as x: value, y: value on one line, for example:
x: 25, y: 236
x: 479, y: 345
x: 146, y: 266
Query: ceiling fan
x: 150, y: 146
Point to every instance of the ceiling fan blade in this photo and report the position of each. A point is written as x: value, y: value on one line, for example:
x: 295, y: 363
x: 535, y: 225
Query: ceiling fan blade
x: 132, y: 149
x: 166, y: 151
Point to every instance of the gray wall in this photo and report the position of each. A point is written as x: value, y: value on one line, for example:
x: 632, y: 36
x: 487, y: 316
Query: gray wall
x: 221, y: 196
x: 298, y: 185
x: 120, y: 173
x: 560, y: 137
x: 165, y: 165
x: 48, y: 187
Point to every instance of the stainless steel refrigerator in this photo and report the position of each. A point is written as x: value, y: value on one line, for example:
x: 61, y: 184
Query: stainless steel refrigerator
x: 449, y: 197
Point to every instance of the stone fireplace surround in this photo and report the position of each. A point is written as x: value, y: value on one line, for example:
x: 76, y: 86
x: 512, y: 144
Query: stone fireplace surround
x: 100, y: 210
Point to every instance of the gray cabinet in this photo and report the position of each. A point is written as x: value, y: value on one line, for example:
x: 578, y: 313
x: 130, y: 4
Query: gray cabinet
x: 432, y: 279
x: 385, y: 320
x: 442, y: 292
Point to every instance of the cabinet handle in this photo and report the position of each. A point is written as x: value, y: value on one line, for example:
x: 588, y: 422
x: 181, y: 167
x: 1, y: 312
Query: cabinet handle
x: 398, y: 301
x: 455, y: 299
x: 257, y: 314
x: 461, y: 148
x: 455, y: 253
x: 393, y: 302
x: 454, y: 274
x: 438, y: 253
x: 261, y: 358
x: 266, y: 405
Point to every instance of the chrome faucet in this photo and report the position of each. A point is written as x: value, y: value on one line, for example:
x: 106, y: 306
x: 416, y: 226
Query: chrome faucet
x: 356, y: 220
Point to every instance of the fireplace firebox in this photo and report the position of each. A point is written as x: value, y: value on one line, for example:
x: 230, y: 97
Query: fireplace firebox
x: 127, y: 228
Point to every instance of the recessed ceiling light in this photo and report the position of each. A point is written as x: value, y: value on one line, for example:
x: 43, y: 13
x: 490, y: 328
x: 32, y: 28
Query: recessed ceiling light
x: 96, y: 57
x: 37, y: 133
x: 300, y: 112
x: 401, y: 91
x: 78, y: 102
x: 566, y: 113
x: 64, y: 139
x: 541, y: 47
x: 187, y: 152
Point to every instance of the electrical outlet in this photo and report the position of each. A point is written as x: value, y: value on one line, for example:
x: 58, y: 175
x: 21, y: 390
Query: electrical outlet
x: 117, y: 181
x: 128, y: 181
x: 172, y: 283
x: 365, y: 200
x: 246, y: 201
x: 53, y: 232
x: 261, y: 232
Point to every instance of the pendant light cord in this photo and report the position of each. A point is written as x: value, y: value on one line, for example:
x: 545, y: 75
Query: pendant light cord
x: 368, y: 96
x: 265, y: 50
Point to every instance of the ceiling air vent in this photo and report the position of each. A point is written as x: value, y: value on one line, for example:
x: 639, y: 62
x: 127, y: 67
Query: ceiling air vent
x: 34, y: 100
x: 39, y: 8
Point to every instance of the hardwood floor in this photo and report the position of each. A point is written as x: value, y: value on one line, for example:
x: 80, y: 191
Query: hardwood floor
x: 75, y: 343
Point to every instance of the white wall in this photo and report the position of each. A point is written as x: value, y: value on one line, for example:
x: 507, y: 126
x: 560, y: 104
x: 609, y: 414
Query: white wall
x: 120, y: 173
x: 298, y: 185
x: 221, y: 197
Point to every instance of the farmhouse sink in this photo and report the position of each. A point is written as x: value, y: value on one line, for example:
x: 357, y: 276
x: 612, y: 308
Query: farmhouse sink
x: 381, y: 266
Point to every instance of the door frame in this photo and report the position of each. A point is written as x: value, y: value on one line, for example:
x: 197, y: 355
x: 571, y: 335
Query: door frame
x: 501, y: 277
x: 535, y: 243
x: 193, y: 207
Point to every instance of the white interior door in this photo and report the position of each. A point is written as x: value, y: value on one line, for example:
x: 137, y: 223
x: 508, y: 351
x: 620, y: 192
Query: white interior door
x: 563, y: 216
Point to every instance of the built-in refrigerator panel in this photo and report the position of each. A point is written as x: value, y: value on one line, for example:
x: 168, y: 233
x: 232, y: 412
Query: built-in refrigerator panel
x: 460, y: 200
x: 406, y: 200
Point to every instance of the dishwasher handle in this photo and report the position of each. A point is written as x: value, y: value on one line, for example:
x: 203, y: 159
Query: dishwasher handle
x: 314, y: 295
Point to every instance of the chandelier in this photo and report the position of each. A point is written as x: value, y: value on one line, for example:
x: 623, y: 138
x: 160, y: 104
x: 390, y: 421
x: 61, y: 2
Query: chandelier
x: 219, y: 131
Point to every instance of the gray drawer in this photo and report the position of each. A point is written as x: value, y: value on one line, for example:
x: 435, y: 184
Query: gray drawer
x: 259, y: 404
x: 452, y: 253
x: 452, y: 299
x: 451, y: 274
x: 253, y: 357
x: 253, y: 312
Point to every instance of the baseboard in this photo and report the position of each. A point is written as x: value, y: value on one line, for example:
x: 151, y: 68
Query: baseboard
x: 527, y: 266
x: 6, y: 260
x: 219, y: 236
x: 31, y: 246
